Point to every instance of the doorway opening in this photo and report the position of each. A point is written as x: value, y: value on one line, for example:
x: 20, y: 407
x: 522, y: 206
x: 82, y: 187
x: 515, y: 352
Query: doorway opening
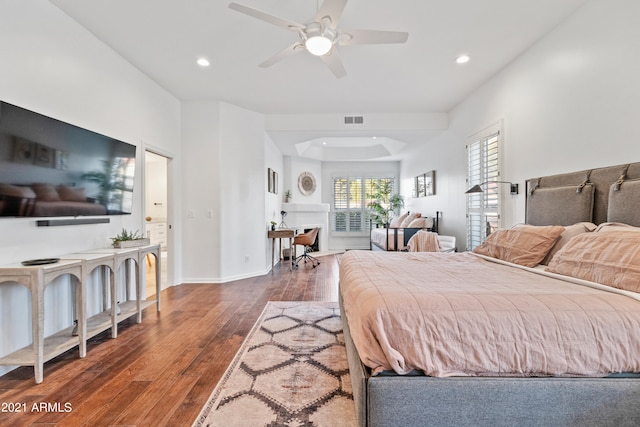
x: 156, y: 216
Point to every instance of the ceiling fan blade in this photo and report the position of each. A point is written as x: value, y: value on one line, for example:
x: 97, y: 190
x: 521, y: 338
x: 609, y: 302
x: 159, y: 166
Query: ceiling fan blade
x: 285, y: 53
x: 280, y: 22
x: 331, y: 9
x: 353, y: 37
x: 333, y: 61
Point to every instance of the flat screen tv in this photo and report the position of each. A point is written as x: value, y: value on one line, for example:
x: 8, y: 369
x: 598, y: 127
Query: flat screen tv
x: 49, y: 168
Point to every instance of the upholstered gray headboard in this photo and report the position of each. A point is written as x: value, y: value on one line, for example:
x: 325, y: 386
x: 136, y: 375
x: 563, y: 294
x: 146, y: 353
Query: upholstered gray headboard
x: 609, y: 194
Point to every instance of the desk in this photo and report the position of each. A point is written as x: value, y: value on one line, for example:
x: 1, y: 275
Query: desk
x: 282, y: 233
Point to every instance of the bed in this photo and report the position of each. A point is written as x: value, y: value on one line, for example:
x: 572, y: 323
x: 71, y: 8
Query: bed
x: 553, y: 348
x: 396, y: 237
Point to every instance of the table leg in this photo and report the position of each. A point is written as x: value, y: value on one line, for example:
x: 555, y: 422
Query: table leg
x: 273, y: 249
x: 113, y: 291
x: 139, y: 272
x: 81, y: 310
x: 37, y: 306
x: 292, y: 254
x: 127, y: 289
x: 158, y: 280
x: 104, y: 271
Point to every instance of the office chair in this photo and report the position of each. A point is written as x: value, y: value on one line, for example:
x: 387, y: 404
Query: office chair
x: 306, y: 239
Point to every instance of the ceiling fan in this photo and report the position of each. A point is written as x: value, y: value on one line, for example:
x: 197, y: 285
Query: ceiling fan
x: 321, y: 35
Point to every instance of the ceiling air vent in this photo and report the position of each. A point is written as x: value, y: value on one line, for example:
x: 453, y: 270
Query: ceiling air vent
x: 353, y: 120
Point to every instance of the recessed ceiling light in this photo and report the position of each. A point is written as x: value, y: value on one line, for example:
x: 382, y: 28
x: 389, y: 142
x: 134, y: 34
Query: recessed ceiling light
x: 462, y: 59
x: 375, y: 137
x: 203, y: 62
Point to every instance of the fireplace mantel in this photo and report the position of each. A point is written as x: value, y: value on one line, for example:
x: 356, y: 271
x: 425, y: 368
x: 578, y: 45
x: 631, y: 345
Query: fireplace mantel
x: 301, y: 216
x: 305, y: 207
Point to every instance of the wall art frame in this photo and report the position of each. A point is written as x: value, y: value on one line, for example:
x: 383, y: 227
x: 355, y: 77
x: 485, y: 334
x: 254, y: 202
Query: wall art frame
x: 272, y: 181
x: 425, y: 184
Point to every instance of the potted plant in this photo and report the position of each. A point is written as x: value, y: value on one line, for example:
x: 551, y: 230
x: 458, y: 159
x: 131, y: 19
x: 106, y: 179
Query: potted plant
x: 287, y: 196
x: 384, y: 204
x: 273, y: 225
x: 129, y: 239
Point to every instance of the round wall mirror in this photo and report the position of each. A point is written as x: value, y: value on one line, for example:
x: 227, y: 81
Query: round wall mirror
x: 307, y: 183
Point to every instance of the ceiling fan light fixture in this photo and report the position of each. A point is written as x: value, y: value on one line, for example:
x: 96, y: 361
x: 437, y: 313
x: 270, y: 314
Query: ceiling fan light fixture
x: 203, y: 62
x: 463, y: 59
x: 318, y: 45
x: 319, y: 35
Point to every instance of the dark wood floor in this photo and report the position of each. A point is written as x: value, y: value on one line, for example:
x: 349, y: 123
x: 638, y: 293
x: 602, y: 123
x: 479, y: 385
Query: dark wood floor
x: 161, y: 371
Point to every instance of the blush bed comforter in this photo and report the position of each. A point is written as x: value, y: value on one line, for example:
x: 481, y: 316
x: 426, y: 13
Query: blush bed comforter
x: 464, y: 315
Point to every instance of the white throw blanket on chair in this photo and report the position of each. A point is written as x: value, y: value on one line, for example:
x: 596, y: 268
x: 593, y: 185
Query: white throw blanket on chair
x: 424, y: 241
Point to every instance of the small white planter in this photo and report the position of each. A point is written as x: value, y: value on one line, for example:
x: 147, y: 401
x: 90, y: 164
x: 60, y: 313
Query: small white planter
x: 121, y: 244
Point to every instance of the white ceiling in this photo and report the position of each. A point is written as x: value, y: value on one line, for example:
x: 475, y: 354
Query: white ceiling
x: 163, y: 39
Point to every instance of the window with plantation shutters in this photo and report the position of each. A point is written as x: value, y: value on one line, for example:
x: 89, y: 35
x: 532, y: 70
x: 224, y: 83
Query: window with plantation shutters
x: 483, y: 209
x: 350, y: 213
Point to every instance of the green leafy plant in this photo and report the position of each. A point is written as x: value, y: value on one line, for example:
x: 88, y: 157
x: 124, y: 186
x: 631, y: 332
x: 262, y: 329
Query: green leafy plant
x: 109, y: 180
x: 126, y: 235
x: 287, y: 196
x: 383, y: 203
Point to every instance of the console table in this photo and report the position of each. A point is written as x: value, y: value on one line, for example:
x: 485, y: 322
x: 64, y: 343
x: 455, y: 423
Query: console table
x: 36, y: 278
x: 138, y: 255
x: 282, y: 233
x: 79, y: 265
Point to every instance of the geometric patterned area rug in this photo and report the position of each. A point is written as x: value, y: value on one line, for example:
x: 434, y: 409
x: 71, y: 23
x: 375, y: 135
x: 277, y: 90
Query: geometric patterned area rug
x: 291, y: 371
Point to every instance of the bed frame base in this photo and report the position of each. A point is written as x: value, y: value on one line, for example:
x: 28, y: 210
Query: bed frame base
x: 483, y: 401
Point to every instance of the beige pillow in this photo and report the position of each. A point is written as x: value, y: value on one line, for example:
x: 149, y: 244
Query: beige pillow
x: 615, y: 226
x: 397, y: 221
x: 611, y: 258
x: 46, y: 192
x: 417, y: 223
x: 428, y: 222
x: 17, y: 191
x: 71, y: 194
x: 409, y: 219
x: 567, y: 234
x: 525, y: 245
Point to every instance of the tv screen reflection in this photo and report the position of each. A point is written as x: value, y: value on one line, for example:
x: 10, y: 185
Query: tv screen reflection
x: 49, y: 168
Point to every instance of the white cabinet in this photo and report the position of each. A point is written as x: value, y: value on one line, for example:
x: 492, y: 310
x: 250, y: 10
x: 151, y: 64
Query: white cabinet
x: 157, y: 232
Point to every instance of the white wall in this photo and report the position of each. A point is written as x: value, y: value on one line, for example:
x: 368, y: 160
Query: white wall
x: 272, y: 202
x: 571, y: 102
x: 223, y: 199
x: 244, y: 181
x: 200, y: 192
x: 53, y: 66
